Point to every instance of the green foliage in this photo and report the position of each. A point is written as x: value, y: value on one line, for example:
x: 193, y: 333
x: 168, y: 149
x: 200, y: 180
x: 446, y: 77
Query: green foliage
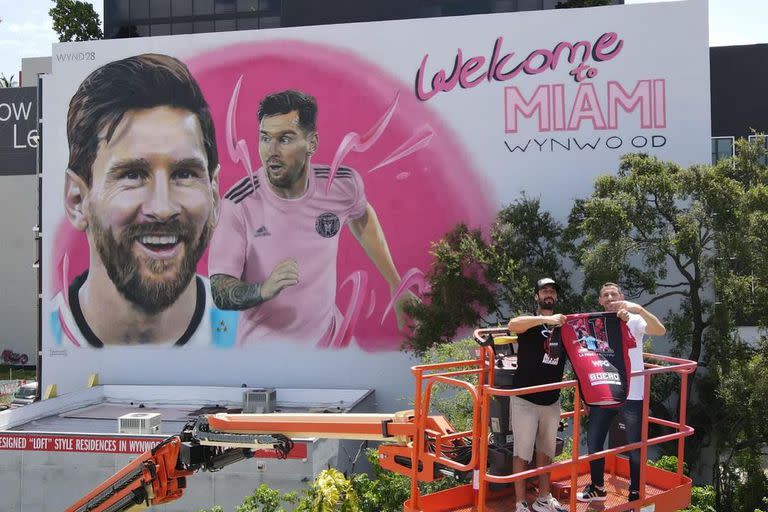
x: 661, y: 230
x: 668, y: 463
x: 12, y: 372
x: 330, y: 492
x: 8, y: 82
x: 567, y: 452
x: 265, y: 499
x: 459, y: 295
x: 477, y: 282
x: 74, y: 20
x: 702, y: 499
x: 455, y: 405
x: 387, y: 491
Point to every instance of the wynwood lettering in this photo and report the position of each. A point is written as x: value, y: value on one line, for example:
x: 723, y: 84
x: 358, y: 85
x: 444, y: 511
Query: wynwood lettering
x: 548, y: 105
x: 141, y: 446
x: 474, y: 70
x: 550, y: 145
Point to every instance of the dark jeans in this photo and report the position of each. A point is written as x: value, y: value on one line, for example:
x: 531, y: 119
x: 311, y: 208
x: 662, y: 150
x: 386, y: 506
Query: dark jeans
x: 600, y: 419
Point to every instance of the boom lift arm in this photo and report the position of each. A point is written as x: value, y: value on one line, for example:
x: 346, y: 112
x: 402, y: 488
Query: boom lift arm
x: 212, y: 442
x: 418, y: 445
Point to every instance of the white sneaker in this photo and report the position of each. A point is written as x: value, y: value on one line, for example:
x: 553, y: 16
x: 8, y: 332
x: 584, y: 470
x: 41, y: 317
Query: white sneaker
x: 522, y: 507
x: 547, y: 504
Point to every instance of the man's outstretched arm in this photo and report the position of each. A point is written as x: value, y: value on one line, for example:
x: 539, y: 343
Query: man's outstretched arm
x: 232, y: 293
x: 369, y: 234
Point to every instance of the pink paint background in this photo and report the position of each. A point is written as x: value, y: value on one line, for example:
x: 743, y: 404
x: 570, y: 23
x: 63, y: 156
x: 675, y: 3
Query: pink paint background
x: 417, y: 198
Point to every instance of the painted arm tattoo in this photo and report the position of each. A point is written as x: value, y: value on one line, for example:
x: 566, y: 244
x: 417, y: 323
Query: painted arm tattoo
x: 233, y: 294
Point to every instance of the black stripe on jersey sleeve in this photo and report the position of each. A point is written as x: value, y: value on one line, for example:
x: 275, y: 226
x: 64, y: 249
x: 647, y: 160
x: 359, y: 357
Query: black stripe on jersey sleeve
x: 242, y: 189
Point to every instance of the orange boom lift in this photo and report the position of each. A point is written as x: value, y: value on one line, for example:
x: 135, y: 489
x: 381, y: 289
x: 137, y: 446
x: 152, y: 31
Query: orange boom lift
x: 214, y: 441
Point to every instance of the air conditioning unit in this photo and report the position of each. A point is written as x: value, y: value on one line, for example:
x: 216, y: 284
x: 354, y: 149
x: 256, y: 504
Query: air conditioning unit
x: 139, y: 423
x: 259, y: 401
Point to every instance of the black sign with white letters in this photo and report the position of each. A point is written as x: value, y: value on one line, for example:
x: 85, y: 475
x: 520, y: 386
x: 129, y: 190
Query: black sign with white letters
x: 18, y: 130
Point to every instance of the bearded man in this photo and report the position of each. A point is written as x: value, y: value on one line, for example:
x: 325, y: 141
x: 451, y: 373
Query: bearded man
x: 142, y: 183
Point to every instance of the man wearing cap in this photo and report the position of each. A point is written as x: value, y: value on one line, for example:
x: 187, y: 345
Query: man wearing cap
x: 535, y: 417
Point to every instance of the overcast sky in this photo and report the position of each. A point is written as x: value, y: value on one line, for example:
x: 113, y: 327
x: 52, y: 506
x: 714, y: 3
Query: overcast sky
x: 26, y: 29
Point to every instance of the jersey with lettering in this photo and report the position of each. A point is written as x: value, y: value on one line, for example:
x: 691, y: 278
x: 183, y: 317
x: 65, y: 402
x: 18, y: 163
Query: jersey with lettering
x: 598, y: 347
x: 209, y: 326
x: 258, y: 229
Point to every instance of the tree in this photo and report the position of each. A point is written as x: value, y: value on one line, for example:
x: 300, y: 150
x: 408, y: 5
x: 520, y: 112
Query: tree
x: 737, y: 385
x: 695, y: 236
x: 8, y: 82
x: 74, y: 20
x: 477, y: 282
x: 651, y: 228
x: 699, y: 235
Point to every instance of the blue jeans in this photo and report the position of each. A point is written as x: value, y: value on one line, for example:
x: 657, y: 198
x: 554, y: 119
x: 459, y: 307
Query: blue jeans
x: 600, y: 419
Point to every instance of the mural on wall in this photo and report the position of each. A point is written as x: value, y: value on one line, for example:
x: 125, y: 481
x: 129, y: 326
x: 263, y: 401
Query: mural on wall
x: 246, y: 194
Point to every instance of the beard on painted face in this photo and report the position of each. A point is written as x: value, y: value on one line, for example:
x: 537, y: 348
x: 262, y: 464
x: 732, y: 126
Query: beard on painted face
x: 140, y: 277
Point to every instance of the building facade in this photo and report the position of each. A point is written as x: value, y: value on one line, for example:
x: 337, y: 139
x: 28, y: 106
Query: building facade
x: 739, y: 106
x: 139, y: 18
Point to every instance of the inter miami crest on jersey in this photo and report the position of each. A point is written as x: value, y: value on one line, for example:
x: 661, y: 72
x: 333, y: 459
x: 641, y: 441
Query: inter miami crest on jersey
x: 327, y: 224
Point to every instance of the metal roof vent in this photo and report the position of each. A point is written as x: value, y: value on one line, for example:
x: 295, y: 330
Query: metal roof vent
x: 139, y: 423
x: 259, y: 401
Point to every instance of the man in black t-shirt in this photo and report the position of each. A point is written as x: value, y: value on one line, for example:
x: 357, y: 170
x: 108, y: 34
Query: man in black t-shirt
x: 535, y: 416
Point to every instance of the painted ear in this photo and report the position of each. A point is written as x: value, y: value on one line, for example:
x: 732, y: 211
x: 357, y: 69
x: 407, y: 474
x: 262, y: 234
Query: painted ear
x: 215, y: 192
x: 314, y: 141
x: 75, y: 200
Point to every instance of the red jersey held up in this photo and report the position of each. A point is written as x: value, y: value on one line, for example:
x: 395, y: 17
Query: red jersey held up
x: 598, y: 347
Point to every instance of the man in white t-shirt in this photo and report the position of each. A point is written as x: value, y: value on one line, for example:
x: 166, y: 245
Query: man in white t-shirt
x: 640, y: 322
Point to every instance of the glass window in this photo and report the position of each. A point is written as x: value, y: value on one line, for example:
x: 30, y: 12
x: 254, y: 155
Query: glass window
x: 722, y: 147
x: 202, y: 7
x: 118, y: 11
x: 503, y: 6
x: 25, y: 392
x: 125, y: 30
x: 111, y: 32
x: 203, y: 26
x: 160, y: 9
x: 225, y: 6
x: 249, y: 23
x: 529, y: 5
x: 430, y: 11
x: 139, y: 10
x: 225, y: 25
x: 269, y: 22
x: 185, y: 27
x: 181, y: 8
x: 762, y: 160
x: 247, y: 5
x: 269, y: 5
x: 161, y: 29
x: 141, y: 31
